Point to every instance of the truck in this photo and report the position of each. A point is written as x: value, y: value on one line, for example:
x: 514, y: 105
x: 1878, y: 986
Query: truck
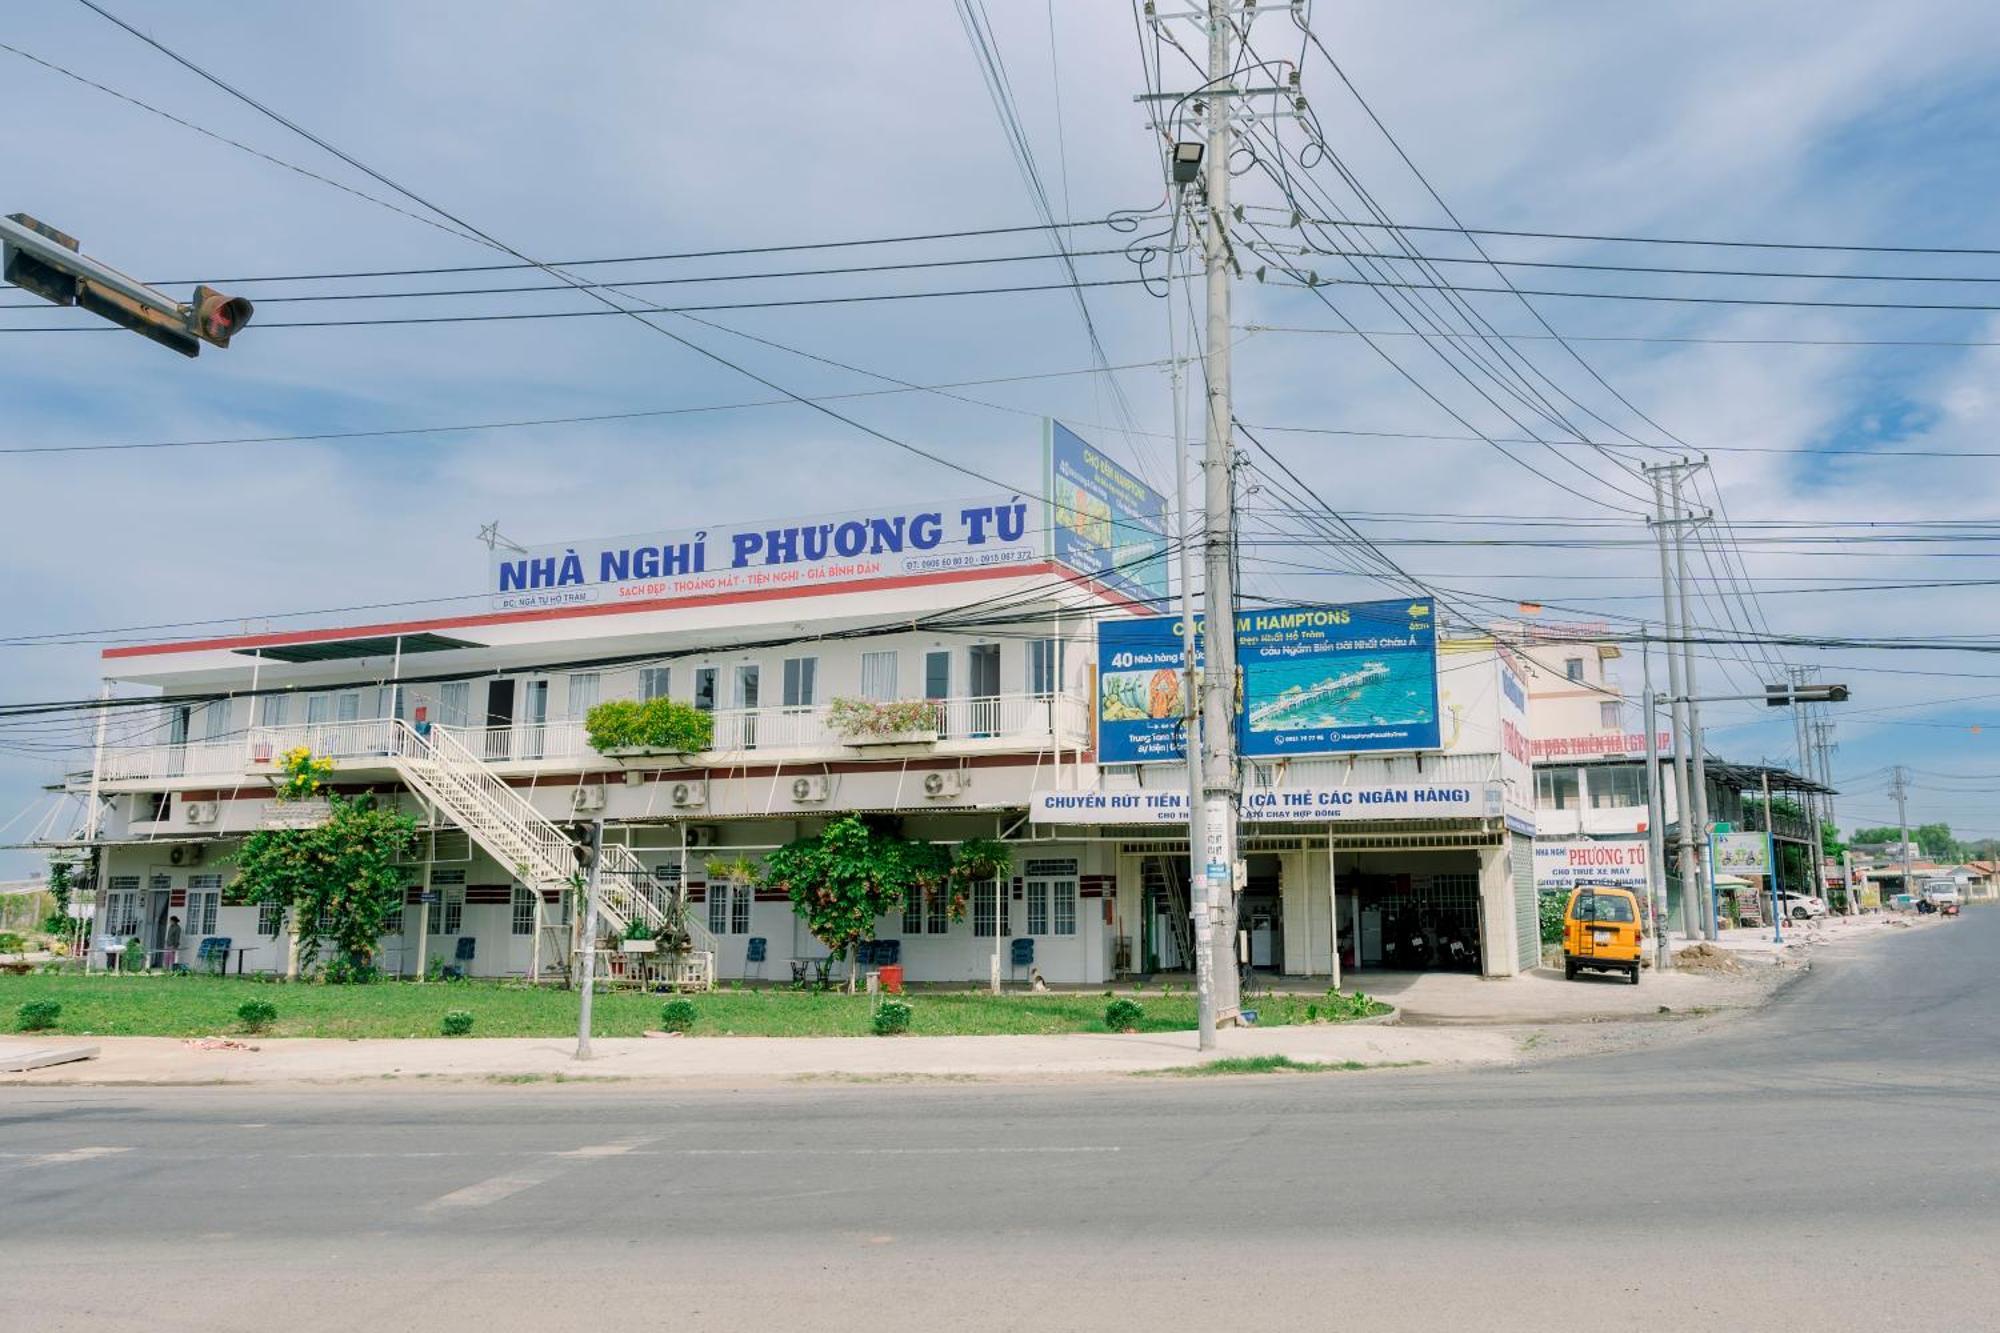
x: 1943, y: 895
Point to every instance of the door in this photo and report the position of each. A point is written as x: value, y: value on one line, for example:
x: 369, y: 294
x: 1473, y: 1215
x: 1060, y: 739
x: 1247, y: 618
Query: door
x: 499, y: 721
x: 982, y: 688
x: 534, y: 718
x: 178, y: 719
x: 937, y: 688
x: 159, y: 899
x: 748, y: 689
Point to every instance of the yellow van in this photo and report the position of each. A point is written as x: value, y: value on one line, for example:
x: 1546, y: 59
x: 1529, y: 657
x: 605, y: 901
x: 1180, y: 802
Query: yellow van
x: 1601, y: 931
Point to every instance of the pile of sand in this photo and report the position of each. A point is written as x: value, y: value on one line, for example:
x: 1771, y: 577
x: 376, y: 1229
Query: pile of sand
x: 1705, y: 957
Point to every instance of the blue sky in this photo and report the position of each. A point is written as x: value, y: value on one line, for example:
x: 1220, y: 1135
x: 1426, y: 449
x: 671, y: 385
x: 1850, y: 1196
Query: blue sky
x: 649, y: 130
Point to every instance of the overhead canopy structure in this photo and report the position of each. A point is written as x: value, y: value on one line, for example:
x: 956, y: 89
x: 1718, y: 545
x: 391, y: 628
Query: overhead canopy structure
x: 1750, y: 778
x: 336, y: 650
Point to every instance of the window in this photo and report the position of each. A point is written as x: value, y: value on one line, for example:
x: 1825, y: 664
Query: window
x: 926, y: 913
x: 454, y: 703
x: 1050, y: 890
x: 584, y: 687
x: 729, y: 909
x: 347, y: 706
x: 203, y: 897
x: 655, y: 682
x: 1573, y: 668
x: 448, y: 912
x: 1044, y: 666
x: 319, y: 709
x: 1607, y: 716
x: 937, y: 674
x: 272, y: 710
x: 878, y: 676
x: 215, y: 720
x: 392, y: 920
x: 1617, y: 788
x: 989, y: 905
x: 749, y: 685
x: 800, y: 674
x: 1602, y: 907
x: 1556, y: 789
x: 121, y: 906
x: 270, y: 920
x: 524, y: 910
x: 704, y: 689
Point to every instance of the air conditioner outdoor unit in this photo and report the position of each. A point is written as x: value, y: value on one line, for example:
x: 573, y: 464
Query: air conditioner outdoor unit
x: 810, y: 788
x: 587, y: 797
x: 200, y: 812
x: 939, y: 785
x: 188, y: 854
x: 688, y: 793
x: 701, y: 835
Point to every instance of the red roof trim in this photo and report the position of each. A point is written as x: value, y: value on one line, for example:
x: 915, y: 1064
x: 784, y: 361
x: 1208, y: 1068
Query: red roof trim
x: 617, y: 609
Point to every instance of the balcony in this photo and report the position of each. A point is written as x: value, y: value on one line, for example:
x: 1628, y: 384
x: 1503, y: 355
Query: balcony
x: 995, y: 724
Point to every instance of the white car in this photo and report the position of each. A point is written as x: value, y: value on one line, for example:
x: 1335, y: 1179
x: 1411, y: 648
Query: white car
x: 1938, y: 892
x: 1802, y: 906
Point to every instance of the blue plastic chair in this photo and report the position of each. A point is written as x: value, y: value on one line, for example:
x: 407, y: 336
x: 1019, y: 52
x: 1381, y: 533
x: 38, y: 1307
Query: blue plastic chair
x: 212, y: 954
x: 753, y: 956
x: 1022, y: 955
x: 461, y: 962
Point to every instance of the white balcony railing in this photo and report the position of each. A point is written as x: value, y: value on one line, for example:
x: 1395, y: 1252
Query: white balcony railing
x: 995, y: 722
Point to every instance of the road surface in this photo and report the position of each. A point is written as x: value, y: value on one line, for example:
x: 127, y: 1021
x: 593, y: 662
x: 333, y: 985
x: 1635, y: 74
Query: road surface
x: 1832, y: 1163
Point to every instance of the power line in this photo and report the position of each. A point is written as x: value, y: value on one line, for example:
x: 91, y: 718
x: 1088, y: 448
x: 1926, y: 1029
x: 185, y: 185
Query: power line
x: 1646, y: 338
x: 1713, y: 448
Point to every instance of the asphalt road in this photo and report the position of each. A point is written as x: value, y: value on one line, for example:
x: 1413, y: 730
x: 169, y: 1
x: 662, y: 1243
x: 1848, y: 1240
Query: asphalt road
x: 1831, y: 1163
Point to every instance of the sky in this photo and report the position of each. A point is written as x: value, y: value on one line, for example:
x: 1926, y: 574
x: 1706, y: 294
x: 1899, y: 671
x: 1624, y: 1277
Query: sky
x: 639, y: 129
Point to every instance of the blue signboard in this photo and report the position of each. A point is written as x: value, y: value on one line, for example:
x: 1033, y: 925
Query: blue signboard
x: 1316, y: 680
x: 1105, y: 522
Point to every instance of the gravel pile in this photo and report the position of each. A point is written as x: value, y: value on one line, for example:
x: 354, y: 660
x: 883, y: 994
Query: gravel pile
x: 1705, y: 957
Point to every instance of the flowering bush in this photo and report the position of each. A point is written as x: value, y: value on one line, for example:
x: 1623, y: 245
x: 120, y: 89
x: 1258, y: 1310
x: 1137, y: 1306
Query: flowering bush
x: 304, y: 775
x: 876, y: 717
x: 657, y: 724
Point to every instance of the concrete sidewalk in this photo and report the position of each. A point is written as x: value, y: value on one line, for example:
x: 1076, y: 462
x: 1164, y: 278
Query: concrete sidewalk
x: 747, y: 1060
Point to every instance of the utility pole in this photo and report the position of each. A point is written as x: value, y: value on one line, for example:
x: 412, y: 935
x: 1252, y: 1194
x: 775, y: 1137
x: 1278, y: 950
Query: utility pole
x: 1220, y: 782
x: 1698, y: 762
x: 590, y: 938
x: 1822, y: 731
x: 1771, y: 862
x: 1899, y: 788
x: 1802, y: 725
x: 1656, y: 856
x: 1693, y: 910
x: 1198, y: 897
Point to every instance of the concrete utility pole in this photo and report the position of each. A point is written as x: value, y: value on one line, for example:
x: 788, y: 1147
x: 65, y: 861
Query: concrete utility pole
x: 590, y: 939
x: 1822, y: 731
x: 1698, y: 762
x: 1899, y: 788
x: 1656, y: 856
x: 1220, y: 783
x: 1693, y: 908
x: 1198, y: 897
x: 1771, y: 861
x: 1817, y: 876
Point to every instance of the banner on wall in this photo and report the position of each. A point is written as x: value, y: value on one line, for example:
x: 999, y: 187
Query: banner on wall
x: 1336, y: 679
x: 1561, y: 866
x: 1274, y: 805
x: 1104, y: 521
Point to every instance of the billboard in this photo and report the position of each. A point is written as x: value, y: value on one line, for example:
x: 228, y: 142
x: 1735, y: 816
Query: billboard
x: 1335, y: 679
x: 1743, y: 854
x: 884, y: 542
x: 1105, y: 522
x: 1561, y: 866
x: 1422, y: 800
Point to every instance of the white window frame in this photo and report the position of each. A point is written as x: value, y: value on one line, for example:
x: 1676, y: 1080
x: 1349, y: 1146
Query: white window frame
x: 448, y: 918
x: 1049, y: 888
x: 728, y: 908
x: 204, y: 898
x: 1573, y: 669
x: 655, y: 683
x: 454, y: 703
x: 878, y: 676
x: 1045, y: 667
x: 121, y: 906
x: 273, y: 710
x: 522, y: 912
x: 270, y: 920
x: 707, y: 688
x: 1609, y: 715
x: 585, y: 689
x: 985, y: 898
x: 801, y: 677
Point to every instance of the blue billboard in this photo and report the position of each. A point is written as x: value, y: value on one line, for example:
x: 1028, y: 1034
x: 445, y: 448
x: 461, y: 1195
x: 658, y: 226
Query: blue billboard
x: 1339, y: 679
x: 1104, y: 521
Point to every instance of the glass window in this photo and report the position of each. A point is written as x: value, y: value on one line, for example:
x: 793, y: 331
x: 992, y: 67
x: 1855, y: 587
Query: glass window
x: 319, y: 708
x: 584, y: 688
x: 937, y: 674
x: 1602, y: 907
x: 270, y: 920
x: 203, y: 897
x: 704, y: 689
x: 913, y: 913
x: 524, y: 910
x: 1050, y: 892
x: 1573, y: 668
x: 454, y: 703
x: 215, y: 720
x: 800, y: 673
x: 878, y: 676
x: 347, y: 706
x: 1044, y: 666
x: 729, y: 909
x: 1617, y: 788
x: 1607, y: 716
x: 989, y: 908
x: 272, y: 710
x: 655, y: 682
x: 448, y: 912
x: 1556, y: 788
x: 1038, y: 906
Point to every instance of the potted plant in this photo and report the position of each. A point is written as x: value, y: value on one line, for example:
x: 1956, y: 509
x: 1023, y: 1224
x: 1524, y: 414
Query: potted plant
x: 865, y: 722
x: 656, y: 729
x: 639, y: 938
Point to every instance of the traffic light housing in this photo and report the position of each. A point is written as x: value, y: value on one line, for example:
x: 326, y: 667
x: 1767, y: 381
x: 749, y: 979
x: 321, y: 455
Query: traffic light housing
x: 1784, y: 696
x: 215, y: 317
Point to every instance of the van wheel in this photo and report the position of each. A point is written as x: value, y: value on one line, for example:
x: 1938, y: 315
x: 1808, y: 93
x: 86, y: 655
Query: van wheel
x: 1569, y: 970
x: 1635, y: 974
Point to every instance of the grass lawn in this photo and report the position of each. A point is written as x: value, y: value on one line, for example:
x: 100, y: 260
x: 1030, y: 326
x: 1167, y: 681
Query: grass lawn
x: 190, y: 1006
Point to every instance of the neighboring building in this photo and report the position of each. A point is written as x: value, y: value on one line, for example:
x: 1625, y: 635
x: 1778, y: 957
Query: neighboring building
x: 474, y: 723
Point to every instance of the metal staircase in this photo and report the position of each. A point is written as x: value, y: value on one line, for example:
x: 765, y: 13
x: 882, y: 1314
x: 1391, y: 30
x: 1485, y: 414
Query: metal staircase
x: 1165, y: 877
x: 541, y: 856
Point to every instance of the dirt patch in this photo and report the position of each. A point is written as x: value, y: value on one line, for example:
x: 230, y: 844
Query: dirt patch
x: 1705, y: 957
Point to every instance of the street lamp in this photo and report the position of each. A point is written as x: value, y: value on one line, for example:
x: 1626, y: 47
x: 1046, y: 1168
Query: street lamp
x: 1187, y: 161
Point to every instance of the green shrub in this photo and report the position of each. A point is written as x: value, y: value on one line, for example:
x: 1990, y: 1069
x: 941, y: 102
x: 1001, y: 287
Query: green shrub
x: 39, y: 1015
x: 1123, y: 1013
x: 256, y: 1015
x: 892, y: 1017
x: 1552, y: 905
x: 12, y: 943
x: 133, y: 957
x: 659, y: 724
x: 457, y: 1022
x: 677, y: 1016
x: 1346, y: 1008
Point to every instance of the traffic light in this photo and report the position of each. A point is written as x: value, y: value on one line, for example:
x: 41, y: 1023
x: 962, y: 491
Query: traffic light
x: 213, y: 317
x: 1783, y: 696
